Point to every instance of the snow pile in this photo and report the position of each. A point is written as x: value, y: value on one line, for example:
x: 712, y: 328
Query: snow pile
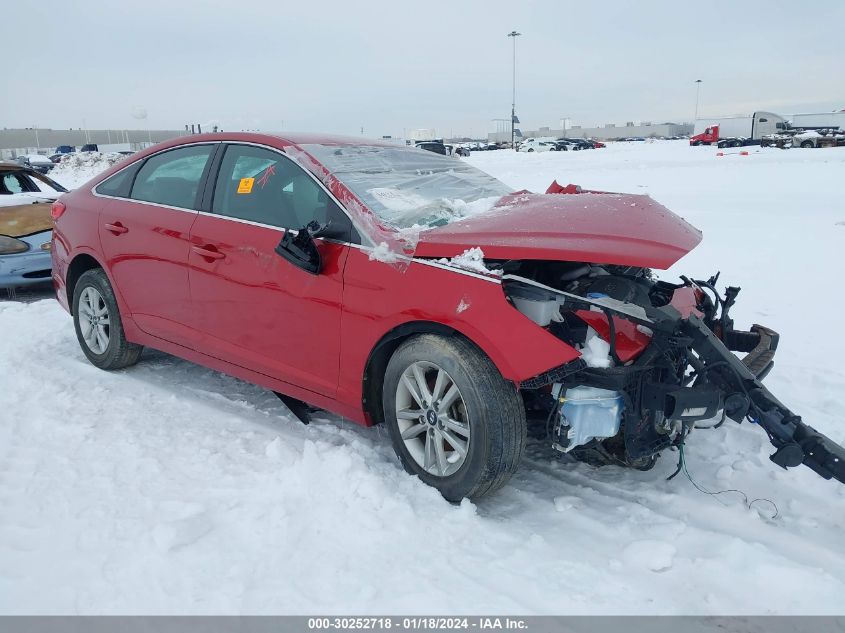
x: 471, y: 259
x: 77, y: 169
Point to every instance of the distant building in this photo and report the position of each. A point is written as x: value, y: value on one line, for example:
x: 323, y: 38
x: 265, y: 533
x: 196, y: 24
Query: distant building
x: 422, y: 134
x: 609, y: 131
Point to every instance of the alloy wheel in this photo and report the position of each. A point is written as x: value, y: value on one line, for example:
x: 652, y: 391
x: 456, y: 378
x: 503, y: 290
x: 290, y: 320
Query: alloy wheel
x: 94, y: 321
x: 432, y: 418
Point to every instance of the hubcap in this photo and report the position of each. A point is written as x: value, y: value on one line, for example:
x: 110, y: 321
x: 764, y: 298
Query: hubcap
x: 432, y: 418
x: 94, y: 322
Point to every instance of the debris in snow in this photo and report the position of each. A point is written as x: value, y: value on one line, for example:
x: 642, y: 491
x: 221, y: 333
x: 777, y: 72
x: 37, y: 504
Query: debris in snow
x: 471, y: 259
x: 596, y: 351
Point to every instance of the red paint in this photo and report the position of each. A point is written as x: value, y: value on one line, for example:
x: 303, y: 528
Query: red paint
x: 212, y: 290
x: 686, y: 301
x: 630, y: 342
x: 603, y: 228
x: 707, y: 137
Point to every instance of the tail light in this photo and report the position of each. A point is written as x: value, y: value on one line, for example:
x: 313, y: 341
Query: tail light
x: 57, y: 209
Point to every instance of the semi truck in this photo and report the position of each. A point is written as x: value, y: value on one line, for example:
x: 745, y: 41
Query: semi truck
x: 737, y: 131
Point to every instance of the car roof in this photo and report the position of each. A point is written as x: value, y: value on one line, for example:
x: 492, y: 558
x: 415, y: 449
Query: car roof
x: 10, y: 166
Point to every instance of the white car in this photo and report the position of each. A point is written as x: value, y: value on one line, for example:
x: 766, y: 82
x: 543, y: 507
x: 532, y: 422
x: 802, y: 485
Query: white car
x: 533, y: 145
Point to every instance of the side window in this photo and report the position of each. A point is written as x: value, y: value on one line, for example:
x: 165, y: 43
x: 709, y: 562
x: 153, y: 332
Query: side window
x: 118, y: 184
x: 172, y: 177
x: 12, y: 183
x: 264, y: 186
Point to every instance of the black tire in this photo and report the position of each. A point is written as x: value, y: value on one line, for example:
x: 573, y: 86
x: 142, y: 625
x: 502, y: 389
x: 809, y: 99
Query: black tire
x: 495, y: 415
x: 530, y: 149
x: 806, y: 144
x: 119, y: 352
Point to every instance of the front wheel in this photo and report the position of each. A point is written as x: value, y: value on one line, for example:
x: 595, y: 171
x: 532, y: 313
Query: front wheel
x: 454, y: 421
x: 806, y: 144
x: 96, y: 319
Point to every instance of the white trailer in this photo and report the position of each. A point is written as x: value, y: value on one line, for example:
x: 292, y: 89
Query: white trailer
x: 821, y: 120
x: 736, y: 131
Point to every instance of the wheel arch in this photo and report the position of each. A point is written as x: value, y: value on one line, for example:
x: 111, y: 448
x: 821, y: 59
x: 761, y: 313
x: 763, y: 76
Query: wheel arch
x: 80, y: 264
x: 382, y: 351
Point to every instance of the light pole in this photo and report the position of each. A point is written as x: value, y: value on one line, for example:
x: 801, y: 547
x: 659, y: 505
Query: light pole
x: 697, y: 92
x: 514, y: 35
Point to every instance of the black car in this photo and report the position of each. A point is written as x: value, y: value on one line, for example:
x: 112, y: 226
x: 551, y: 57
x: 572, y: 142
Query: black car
x: 433, y: 146
x: 578, y: 143
x: 90, y: 147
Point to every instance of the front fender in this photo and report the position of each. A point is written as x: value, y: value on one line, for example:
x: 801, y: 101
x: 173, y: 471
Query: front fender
x: 379, y: 298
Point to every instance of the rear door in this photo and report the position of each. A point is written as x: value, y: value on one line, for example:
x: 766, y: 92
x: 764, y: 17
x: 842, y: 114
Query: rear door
x: 256, y: 309
x: 144, y: 233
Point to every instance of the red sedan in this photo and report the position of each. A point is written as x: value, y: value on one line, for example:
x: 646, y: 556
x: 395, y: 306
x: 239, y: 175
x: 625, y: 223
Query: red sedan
x: 393, y: 285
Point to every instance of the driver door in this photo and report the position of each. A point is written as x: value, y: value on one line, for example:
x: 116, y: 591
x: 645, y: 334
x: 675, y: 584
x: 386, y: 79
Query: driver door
x: 256, y: 309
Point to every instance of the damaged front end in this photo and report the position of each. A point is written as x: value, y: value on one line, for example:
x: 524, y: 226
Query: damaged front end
x: 657, y: 361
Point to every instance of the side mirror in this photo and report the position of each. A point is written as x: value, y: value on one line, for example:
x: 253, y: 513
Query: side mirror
x: 300, y: 249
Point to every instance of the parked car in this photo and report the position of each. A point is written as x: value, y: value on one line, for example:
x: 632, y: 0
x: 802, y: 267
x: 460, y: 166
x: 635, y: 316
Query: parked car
x: 334, y: 271
x: 562, y: 145
x: 89, y: 147
x: 25, y: 225
x: 65, y: 149
x: 462, y: 150
x: 533, y: 145
x: 57, y: 158
x: 577, y: 143
x: 38, y: 162
x: 434, y: 146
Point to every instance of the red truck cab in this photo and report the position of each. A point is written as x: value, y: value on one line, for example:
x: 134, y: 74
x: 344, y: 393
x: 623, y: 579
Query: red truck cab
x: 707, y: 137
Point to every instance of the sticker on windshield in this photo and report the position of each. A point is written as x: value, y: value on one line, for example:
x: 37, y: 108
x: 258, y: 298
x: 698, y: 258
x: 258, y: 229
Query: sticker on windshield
x: 245, y: 185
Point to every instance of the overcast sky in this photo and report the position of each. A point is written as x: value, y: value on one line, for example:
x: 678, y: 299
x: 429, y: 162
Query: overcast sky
x: 387, y: 66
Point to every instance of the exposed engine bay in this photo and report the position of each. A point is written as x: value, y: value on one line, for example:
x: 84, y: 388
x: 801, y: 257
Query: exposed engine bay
x: 657, y: 361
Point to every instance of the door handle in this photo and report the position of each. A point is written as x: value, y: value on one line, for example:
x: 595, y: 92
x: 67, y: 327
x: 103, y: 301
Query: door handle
x: 117, y: 228
x: 209, y: 252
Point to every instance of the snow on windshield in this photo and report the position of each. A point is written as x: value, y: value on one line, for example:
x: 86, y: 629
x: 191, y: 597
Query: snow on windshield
x: 408, y: 187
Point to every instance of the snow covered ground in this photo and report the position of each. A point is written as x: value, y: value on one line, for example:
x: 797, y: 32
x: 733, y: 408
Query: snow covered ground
x: 169, y: 488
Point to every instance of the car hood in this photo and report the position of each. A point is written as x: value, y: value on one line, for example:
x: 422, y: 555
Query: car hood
x: 607, y: 228
x: 25, y: 218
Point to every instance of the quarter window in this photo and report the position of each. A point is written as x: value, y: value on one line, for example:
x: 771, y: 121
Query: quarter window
x: 118, y: 185
x: 172, y: 177
x: 261, y: 185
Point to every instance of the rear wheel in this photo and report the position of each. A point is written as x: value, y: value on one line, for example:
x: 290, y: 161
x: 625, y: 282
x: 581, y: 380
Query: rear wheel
x: 806, y: 144
x: 96, y: 319
x: 454, y: 421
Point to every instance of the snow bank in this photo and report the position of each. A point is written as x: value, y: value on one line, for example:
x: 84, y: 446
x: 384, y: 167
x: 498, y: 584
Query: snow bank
x: 77, y: 169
